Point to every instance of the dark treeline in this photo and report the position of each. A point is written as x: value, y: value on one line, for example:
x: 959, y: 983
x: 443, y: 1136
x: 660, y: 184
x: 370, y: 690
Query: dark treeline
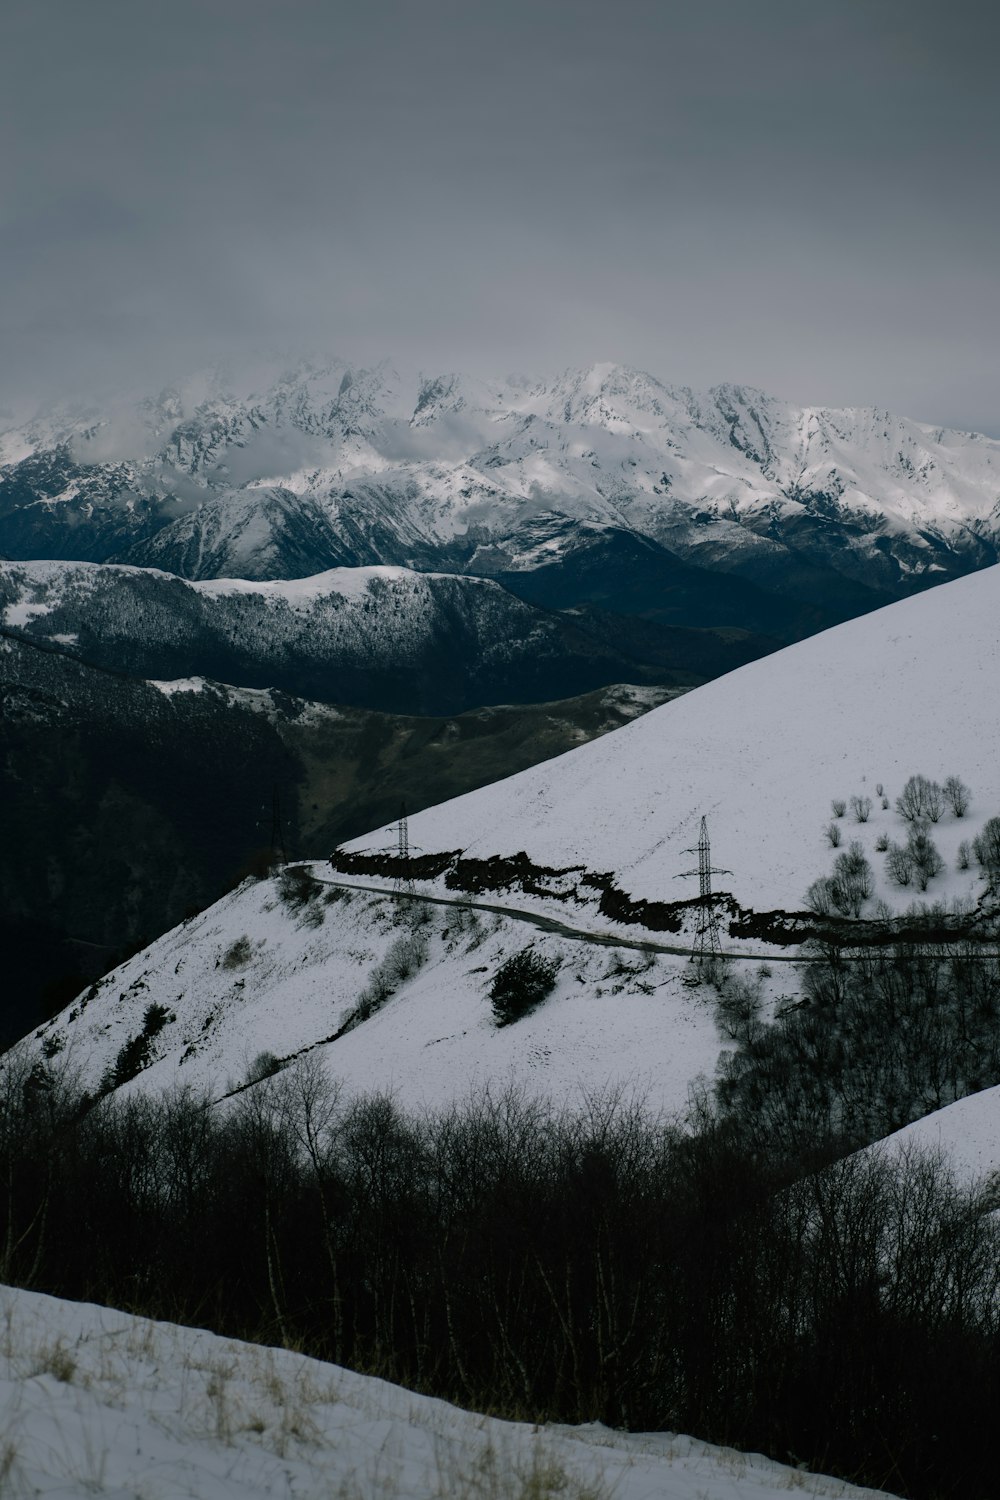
x: 538, y: 1263
x: 881, y: 1037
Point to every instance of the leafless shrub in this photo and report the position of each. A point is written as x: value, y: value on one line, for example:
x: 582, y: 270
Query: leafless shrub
x: 264, y: 1065
x: 739, y: 1006
x: 238, y: 953
x: 852, y: 881
x: 957, y: 795
x: 861, y: 808
x: 403, y: 959
x: 899, y: 864
x: 927, y: 861
x: 920, y: 800
x: 297, y: 886
x: 986, y: 848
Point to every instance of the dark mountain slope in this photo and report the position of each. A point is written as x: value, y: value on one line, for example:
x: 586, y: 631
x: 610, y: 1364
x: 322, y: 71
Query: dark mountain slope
x: 125, y: 806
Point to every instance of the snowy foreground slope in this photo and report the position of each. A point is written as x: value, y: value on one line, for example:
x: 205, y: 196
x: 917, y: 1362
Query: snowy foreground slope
x: 761, y: 752
x: 96, y: 1402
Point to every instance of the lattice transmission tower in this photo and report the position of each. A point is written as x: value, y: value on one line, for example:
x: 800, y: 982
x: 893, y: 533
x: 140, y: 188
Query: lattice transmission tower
x: 708, y: 944
x: 403, y: 880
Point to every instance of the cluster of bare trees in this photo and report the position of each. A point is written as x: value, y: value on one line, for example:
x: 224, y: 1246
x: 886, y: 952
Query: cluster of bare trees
x: 921, y: 803
x: 548, y: 1264
x: 916, y: 861
x: 884, y: 1036
x: 847, y: 889
x: 924, y: 800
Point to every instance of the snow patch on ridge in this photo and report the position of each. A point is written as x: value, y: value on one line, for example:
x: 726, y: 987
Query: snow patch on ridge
x: 23, y: 612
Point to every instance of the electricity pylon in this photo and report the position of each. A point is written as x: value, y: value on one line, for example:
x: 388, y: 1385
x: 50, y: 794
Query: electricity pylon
x: 403, y: 880
x: 707, y: 942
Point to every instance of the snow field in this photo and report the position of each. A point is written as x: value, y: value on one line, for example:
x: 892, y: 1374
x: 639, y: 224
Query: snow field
x: 96, y: 1402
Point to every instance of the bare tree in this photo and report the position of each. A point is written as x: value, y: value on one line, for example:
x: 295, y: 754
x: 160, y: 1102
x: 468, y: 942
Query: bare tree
x: 852, y: 881
x: 933, y: 801
x: 899, y: 864
x: 957, y: 795
x: 820, y: 896
x: 927, y: 862
x: 920, y: 799
x: 861, y: 808
x: 986, y: 848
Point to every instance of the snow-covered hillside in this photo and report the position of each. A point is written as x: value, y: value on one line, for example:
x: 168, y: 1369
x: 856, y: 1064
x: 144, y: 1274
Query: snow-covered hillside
x: 279, y: 966
x: 262, y: 974
x: 762, y: 753
x: 966, y: 1133
x: 278, y: 473
x: 96, y: 1402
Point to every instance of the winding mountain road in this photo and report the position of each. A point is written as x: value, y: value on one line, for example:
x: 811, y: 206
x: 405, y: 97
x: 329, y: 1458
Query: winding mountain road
x: 554, y: 925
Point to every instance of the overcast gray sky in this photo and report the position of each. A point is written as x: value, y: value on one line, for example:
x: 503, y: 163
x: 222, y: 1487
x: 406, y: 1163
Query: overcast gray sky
x: 797, y: 195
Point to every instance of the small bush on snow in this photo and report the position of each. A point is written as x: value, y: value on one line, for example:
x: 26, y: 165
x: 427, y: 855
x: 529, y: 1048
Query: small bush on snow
x: 404, y: 957
x: 297, y: 886
x: 264, y: 1065
x: 237, y: 954
x: 957, y: 795
x: 520, y: 984
x: 920, y: 800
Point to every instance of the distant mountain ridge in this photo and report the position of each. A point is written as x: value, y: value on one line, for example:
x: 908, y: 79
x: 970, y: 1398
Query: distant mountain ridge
x: 276, y: 474
x: 379, y: 638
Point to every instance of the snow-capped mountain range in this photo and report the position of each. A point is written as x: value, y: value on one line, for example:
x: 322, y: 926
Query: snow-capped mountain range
x: 265, y: 474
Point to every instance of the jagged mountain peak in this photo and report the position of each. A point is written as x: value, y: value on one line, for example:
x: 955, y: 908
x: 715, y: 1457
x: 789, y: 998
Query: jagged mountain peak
x: 289, y: 467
